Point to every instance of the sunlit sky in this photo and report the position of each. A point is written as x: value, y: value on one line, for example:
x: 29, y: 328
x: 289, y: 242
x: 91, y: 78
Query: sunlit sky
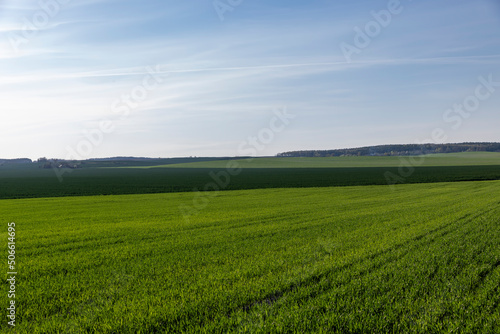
x: 223, y: 71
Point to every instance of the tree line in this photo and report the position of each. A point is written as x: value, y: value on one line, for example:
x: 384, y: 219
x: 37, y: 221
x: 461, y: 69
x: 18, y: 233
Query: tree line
x: 397, y: 150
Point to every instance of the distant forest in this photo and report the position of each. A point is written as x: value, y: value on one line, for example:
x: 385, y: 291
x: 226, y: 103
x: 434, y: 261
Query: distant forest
x: 397, y: 150
x: 15, y: 161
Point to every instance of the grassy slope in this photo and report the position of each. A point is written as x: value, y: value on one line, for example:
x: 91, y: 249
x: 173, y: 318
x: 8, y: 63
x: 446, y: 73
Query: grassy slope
x: 423, y: 258
x: 451, y: 159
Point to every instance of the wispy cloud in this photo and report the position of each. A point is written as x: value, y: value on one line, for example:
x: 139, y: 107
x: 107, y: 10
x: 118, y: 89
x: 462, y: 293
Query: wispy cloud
x: 221, y: 79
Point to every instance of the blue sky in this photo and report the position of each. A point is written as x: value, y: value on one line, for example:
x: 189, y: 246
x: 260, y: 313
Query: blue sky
x: 67, y: 66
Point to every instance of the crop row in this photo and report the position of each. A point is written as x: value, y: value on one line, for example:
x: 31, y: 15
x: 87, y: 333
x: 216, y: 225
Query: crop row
x: 421, y: 258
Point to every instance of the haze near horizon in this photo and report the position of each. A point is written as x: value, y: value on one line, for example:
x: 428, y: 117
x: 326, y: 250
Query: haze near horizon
x: 102, y: 78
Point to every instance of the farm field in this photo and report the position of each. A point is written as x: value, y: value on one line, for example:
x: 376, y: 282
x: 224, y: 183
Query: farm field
x: 420, y: 258
x: 32, y: 183
x: 430, y: 160
x: 233, y: 166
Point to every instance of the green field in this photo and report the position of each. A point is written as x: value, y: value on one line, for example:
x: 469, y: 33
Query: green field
x: 430, y: 160
x: 422, y: 258
x: 34, y: 183
x: 292, y: 245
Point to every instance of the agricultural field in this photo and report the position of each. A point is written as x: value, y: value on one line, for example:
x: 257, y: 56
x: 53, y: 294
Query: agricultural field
x: 430, y: 160
x: 415, y: 258
x: 230, y: 166
x: 32, y: 182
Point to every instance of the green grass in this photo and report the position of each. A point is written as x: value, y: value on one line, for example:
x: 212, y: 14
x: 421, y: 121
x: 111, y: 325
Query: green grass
x: 29, y: 181
x: 420, y: 259
x: 431, y: 160
x: 113, y: 181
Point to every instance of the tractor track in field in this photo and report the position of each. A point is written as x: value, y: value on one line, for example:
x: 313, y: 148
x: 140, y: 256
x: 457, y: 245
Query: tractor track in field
x: 415, y: 243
